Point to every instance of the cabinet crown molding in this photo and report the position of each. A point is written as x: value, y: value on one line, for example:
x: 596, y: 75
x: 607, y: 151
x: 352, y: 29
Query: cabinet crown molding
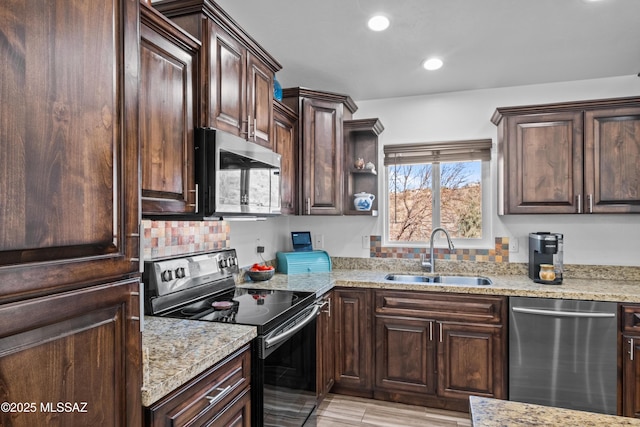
x: 564, y: 106
x: 320, y: 95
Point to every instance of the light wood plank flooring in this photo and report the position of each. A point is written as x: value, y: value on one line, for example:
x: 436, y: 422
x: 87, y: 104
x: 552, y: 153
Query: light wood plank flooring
x: 336, y: 410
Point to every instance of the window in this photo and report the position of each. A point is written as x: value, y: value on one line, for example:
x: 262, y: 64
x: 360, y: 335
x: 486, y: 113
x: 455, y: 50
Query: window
x: 437, y: 185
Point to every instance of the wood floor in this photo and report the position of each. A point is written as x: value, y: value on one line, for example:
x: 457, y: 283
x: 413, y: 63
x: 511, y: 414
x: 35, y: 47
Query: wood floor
x: 337, y: 410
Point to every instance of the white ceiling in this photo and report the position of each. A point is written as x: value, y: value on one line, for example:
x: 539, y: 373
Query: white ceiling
x: 325, y: 44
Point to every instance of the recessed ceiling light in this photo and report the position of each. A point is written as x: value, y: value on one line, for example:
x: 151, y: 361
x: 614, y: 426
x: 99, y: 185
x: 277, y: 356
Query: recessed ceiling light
x: 378, y: 23
x: 432, y: 64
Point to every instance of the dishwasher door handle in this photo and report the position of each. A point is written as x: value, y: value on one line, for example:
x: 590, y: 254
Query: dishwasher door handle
x: 580, y: 314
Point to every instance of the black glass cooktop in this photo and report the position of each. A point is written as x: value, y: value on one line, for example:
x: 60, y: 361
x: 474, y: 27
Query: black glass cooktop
x: 265, y: 309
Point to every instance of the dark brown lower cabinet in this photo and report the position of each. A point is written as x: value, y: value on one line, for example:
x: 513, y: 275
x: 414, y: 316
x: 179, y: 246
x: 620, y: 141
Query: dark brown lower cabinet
x: 629, y: 400
x: 353, y: 342
x: 220, y: 396
x: 325, y: 349
x: 73, y: 358
x: 439, y: 349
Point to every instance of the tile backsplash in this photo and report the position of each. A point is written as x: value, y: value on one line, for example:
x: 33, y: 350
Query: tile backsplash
x: 499, y: 253
x: 167, y: 238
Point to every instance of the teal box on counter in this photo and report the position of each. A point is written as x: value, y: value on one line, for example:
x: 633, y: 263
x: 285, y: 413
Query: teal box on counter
x: 303, y: 262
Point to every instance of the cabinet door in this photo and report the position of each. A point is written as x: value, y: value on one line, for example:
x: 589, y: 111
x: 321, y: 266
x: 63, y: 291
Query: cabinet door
x: 322, y: 175
x: 68, y: 145
x: 405, y: 355
x: 612, y: 155
x: 325, y: 348
x: 259, y: 101
x: 353, y: 347
x: 168, y: 64
x: 284, y: 139
x: 227, y: 82
x: 470, y: 361
x: 631, y: 376
x: 81, y: 347
x: 544, y: 163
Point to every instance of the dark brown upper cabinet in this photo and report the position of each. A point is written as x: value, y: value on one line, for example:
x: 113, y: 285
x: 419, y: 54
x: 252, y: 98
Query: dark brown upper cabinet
x: 321, y: 148
x: 237, y: 73
x: 69, y: 192
x: 577, y: 157
x: 168, y: 78
x: 285, y: 140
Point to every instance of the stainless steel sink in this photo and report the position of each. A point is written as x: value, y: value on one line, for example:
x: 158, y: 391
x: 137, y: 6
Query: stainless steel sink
x: 442, y: 280
x: 409, y: 278
x: 463, y: 280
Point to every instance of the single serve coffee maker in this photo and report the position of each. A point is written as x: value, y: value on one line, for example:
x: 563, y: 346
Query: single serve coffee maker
x: 545, y: 257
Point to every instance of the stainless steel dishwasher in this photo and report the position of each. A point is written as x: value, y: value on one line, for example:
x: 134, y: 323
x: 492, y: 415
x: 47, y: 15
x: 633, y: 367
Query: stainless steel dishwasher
x: 563, y: 353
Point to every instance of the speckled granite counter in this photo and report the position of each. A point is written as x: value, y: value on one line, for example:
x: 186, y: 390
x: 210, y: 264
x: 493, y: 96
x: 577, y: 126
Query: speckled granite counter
x: 506, y: 285
x: 487, y: 412
x: 175, y: 351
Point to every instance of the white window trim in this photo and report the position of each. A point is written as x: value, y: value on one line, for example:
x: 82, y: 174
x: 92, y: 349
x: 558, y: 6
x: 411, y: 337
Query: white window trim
x: 486, y: 242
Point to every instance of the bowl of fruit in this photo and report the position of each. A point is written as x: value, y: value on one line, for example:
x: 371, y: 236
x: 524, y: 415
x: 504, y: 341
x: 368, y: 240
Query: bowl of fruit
x: 260, y: 273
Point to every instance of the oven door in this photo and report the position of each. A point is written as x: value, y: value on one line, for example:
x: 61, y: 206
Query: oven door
x: 284, y: 383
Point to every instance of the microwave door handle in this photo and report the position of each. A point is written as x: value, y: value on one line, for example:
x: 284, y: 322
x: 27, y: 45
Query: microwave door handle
x: 271, y: 341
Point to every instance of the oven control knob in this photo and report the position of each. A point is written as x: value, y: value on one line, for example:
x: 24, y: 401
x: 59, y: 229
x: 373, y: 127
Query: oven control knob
x: 180, y: 272
x: 166, y: 275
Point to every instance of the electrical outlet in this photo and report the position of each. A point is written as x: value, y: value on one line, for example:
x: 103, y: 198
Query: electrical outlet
x: 366, y: 242
x: 319, y: 241
x: 513, y: 245
x: 260, y: 249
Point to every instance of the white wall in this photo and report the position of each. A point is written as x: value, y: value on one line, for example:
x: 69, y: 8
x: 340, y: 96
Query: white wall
x: 589, y: 239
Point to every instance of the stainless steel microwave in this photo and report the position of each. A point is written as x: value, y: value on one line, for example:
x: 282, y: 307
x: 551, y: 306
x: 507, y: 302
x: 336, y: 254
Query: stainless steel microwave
x: 235, y: 178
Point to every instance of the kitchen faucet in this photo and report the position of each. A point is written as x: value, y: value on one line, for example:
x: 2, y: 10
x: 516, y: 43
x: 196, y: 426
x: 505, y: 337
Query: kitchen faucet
x: 431, y: 264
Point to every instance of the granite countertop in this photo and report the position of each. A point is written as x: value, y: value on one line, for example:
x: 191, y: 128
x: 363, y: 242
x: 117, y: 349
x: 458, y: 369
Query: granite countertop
x: 175, y: 350
x: 505, y: 285
x: 486, y: 412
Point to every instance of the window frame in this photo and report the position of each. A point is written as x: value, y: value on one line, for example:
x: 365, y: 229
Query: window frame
x: 485, y: 242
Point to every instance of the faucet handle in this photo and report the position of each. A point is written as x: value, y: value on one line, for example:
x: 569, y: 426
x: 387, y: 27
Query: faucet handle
x: 426, y: 265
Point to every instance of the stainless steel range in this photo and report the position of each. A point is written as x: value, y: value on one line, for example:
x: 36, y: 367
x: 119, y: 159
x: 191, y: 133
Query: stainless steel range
x: 201, y: 287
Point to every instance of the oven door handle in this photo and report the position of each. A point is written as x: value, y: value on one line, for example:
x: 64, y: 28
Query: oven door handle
x: 271, y: 341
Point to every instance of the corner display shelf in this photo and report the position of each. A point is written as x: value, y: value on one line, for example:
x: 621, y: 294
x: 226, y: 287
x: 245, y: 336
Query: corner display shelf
x: 361, y: 142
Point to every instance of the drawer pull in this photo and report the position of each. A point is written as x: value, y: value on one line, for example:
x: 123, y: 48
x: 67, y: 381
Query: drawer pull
x: 218, y: 397
x: 631, y: 349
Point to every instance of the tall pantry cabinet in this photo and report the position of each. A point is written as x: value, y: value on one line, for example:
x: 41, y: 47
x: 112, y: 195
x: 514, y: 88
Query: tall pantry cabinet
x: 69, y: 213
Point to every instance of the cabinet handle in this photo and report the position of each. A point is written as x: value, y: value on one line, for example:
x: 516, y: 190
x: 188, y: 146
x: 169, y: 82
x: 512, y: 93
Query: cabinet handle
x: 631, y: 349
x: 255, y: 126
x: 430, y: 331
x: 308, y: 203
x: 218, y: 397
x: 590, y: 197
x: 196, y: 201
x: 440, y: 331
x: 579, y: 203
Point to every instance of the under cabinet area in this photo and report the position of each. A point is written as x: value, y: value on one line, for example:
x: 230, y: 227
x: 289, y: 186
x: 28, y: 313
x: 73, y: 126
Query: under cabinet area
x: 578, y: 157
x: 219, y: 396
x: 439, y: 349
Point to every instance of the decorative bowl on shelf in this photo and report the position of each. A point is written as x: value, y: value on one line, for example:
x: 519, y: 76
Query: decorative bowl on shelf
x: 261, y: 276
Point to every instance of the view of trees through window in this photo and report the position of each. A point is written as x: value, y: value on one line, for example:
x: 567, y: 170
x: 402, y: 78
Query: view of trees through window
x: 453, y: 189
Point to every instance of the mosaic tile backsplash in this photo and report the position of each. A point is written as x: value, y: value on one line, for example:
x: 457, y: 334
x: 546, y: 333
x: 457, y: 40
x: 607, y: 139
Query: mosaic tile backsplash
x: 167, y: 238
x: 499, y: 254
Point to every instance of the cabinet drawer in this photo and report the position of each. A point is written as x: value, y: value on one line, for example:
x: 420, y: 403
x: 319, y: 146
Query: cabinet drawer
x: 630, y: 318
x: 455, y: 307
x: 206, y: 396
